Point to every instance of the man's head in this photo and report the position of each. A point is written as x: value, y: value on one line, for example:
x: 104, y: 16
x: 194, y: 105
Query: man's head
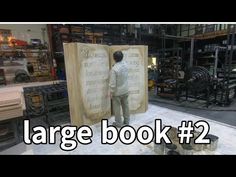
x: 118, y: 56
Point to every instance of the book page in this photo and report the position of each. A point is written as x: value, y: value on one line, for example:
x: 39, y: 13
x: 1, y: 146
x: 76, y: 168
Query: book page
x: 88, y: 82
x: 136, y: 58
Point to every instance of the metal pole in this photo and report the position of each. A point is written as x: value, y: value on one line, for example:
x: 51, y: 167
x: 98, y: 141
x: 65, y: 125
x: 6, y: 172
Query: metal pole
x: 164, y: 44
x: 230, y: 62
x: 191, y: 53
x: 167, y: 36
x: 216, y: 62
x: 231, y: 52
x: 177, y: 75
x: 226, y: 59
x: 177, y: 63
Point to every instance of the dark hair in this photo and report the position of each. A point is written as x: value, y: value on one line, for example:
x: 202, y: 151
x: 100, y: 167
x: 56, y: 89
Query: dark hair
x: 118, y: 56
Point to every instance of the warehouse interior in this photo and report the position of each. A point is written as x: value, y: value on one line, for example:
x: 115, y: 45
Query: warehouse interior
x: 191, y: 75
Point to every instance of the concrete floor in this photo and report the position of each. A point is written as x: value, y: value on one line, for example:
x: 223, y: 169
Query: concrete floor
x: 223, y: 124
x: 227, y: 117
x: 218, y: 113
x: 225, y: 132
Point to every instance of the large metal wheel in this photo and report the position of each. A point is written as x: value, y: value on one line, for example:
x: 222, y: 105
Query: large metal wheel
x: 198, y: 78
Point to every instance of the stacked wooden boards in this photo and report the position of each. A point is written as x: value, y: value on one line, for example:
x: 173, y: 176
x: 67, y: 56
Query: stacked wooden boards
x: 12, y: 103
x: 87, y: 72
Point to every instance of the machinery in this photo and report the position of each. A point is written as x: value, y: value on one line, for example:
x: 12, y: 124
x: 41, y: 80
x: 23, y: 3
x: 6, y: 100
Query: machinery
x: 210, y: 76
x: 169, y: 73
x: 21, y: 76
x: 199, y: 84
x: 15, y: 68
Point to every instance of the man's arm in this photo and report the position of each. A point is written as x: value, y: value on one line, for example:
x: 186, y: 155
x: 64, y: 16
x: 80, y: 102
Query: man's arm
x: 112, y: 82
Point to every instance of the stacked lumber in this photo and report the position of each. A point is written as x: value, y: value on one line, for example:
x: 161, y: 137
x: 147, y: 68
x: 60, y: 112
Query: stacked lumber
x: 11, y: 104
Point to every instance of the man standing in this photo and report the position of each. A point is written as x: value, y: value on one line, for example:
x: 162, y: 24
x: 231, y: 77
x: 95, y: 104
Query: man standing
x: 119, y: 89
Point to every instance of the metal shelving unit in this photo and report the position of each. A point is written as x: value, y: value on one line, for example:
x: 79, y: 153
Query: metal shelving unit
x: 36, y: 63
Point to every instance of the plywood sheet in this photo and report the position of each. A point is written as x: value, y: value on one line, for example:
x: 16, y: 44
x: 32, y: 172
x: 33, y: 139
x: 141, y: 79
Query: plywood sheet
x: 10, y: 114
x: 11, y: 104
x: 136, y: 58
x: 10, y: 98
x: 87, y: 72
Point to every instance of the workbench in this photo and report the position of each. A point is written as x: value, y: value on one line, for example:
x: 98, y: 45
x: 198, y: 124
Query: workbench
x: 12, y: 107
